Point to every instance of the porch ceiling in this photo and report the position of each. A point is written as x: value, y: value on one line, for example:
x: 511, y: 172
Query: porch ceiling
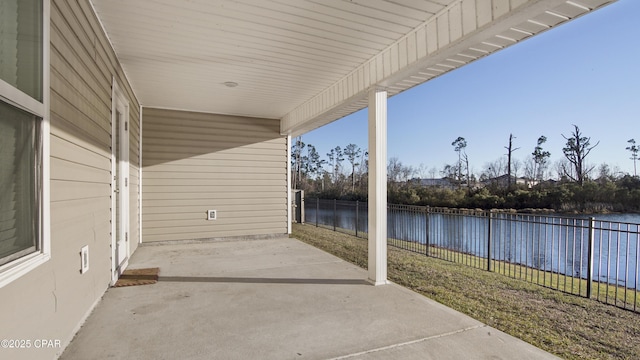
x: 308, y: 62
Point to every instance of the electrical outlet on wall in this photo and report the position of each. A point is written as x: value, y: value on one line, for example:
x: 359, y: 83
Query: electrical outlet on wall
x: 84, y: 259
x: 212, y: 214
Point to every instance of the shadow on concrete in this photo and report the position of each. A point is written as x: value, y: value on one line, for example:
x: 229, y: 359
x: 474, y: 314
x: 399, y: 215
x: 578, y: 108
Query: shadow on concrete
x: 249, y: 280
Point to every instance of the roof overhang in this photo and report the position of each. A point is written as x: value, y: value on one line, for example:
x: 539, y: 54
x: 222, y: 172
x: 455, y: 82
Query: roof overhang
x: 309, y: 62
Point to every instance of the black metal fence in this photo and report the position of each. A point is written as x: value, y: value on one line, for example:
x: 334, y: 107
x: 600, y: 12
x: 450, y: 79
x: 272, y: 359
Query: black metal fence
x: 581, y: 256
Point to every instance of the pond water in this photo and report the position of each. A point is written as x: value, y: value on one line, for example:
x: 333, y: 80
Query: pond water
x: 553, y: 243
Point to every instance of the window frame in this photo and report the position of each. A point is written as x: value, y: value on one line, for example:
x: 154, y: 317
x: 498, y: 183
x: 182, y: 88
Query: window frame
x: 14, y: 269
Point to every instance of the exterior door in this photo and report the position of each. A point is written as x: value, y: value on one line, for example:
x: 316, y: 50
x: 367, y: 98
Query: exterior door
x: 120, y: 184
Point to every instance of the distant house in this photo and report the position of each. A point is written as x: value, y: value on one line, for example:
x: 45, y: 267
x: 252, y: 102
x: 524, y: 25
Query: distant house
x: 502, y: 180
x: 440, y: 182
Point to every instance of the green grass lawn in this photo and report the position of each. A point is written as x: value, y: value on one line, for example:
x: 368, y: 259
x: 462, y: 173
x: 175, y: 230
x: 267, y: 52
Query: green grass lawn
x: 608, y: 293
x: 569, y: 326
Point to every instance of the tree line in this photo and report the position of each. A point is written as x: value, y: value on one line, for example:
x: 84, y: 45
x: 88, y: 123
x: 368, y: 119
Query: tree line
x: 330, y: 177
x: 570, y: 184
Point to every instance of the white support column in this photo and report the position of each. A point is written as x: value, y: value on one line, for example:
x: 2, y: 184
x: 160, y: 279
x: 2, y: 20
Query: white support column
x: 378, y: 186
x: 140, y: 177
x: 289, y: 216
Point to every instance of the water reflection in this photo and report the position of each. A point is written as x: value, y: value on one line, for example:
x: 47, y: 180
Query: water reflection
x: 555, y: 244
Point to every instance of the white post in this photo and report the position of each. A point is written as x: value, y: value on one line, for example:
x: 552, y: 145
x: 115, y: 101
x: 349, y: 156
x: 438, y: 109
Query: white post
x: 140, y: 177
x: 289, y: 184
x: 378, y: 186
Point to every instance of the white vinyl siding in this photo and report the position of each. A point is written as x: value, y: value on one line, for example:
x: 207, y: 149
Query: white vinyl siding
x: 194, y: 162
x: 83, y: 67
x: 52, y: 300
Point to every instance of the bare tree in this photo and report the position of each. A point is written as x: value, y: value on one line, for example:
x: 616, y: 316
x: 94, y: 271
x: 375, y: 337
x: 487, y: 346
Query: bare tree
x: 422, y: 171
x: 576, y: 150
x: 433, y: 172
x: 394, y: 169
x: 510, y: 151
x: 529, y: 170
x: 604, y: 172
x: 398, y: 173
x: 492, y: 172
x: 494, y: 169
x: 516, y: 165
x: 562, y: 165
x: 450, y: 172
x: 616, y: 172
x: 634, y: 154
x: 408, y: 172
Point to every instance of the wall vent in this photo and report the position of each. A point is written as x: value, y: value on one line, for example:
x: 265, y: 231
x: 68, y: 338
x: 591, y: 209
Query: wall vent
x: 84, y: 259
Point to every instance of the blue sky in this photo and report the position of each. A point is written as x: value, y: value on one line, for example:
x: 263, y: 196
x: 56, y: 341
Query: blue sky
x: 585, y: 72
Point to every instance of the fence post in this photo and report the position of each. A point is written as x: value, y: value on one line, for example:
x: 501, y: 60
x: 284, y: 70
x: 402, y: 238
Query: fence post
x: 590, y: 257
x: 334, y: 214
x: 426, y: 228
x: 317, y: 210
x: 489, y: 241
x: 357, y: 203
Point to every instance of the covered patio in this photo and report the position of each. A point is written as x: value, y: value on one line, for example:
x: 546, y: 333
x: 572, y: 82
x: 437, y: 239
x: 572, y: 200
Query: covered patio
x: 306, y: 63
x: 276, y: 299
x: 161, y: 136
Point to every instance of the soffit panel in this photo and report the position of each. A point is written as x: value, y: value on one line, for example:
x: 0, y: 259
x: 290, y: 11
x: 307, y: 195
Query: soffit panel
x: 178, y: 54
x: 450, y: 39
x: 308, y: 62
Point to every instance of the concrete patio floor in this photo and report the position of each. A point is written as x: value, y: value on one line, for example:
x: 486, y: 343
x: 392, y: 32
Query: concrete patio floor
x: 276, y: 299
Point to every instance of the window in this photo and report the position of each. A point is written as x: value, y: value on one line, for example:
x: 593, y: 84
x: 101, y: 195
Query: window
x: 19, y: 163
x: 21, y: 45
x: 24, y: 137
